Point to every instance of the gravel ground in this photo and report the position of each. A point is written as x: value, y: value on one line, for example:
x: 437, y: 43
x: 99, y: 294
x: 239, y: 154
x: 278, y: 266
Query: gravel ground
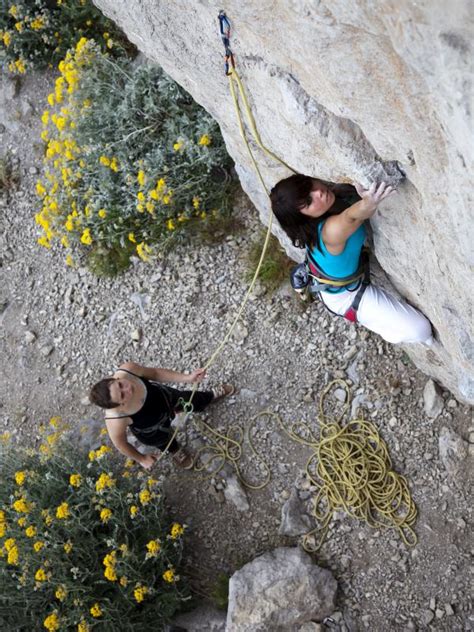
x: 62, y: 329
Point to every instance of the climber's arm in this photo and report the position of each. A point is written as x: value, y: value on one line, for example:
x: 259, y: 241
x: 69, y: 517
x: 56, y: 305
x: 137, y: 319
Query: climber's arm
x: 338, y: 228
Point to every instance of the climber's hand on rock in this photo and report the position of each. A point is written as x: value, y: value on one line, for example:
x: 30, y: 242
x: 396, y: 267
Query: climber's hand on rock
x: 374, y: 194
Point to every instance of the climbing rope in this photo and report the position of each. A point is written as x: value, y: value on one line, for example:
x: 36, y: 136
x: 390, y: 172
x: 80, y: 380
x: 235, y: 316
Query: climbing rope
x: 227, y: 447
x: 349, y: 466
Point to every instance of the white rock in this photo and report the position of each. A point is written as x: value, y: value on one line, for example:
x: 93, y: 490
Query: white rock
x: 433, y: 402
x: 235, y: 494
x: 452, y: 450
x: 279, y: 590
x: 30, y: 337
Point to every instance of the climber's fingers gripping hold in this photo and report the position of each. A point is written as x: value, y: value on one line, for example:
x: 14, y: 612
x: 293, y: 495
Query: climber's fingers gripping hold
x: 375, y: 194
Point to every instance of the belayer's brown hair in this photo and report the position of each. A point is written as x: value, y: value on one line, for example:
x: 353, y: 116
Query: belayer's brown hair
x: 100, y: 393
x: 290, y: 195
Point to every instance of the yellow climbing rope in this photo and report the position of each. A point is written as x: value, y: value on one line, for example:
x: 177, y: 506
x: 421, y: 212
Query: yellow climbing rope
x: 351, y: 469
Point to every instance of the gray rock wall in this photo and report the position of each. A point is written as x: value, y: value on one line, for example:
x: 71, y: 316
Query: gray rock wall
x: 339, y: 90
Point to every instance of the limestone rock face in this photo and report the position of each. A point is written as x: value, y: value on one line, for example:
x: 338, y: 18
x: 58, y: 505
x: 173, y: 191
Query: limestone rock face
x: 349, y: 91
x: 279, y: 591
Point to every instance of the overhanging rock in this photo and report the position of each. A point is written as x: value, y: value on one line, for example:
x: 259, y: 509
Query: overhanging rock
x: 346, y: 93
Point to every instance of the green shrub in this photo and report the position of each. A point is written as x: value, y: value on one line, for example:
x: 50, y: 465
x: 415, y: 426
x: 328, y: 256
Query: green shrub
x: 276, y: 265
x: 38, y: 33
x: 84, y: 544
x: 220, y: 592
x: 130, y: 158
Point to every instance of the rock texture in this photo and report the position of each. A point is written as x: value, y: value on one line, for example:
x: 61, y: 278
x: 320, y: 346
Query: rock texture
x: 279, y: 591
x: 340, y: 90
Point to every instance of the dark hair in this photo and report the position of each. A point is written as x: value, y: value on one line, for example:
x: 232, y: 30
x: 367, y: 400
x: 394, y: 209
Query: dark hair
x: 100, y: 393
x: 290, y: 195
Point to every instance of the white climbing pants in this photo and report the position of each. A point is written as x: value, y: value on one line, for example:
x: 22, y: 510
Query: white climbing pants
x: 394, y: 320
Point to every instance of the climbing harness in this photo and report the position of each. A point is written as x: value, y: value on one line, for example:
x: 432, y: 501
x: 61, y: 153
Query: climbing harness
x: 309, y: 276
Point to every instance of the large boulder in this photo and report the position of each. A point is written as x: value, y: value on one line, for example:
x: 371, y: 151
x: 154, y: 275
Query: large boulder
x: 279, y: 591
x: 350, y: 91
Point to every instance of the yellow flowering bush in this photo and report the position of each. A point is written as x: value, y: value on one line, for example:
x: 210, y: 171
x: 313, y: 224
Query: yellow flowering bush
x: 132, y: 164
x: 38, y: 34
x: 84, y: 541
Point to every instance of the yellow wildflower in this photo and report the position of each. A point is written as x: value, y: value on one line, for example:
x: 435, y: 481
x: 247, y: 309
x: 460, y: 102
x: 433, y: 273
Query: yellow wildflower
x: 100, y: 452
x: 83, y: 626
x: 37, y: 24
x: 133, y: 511
x: 44, y: 135
x: 131, y: 237
x: 167, y: 198
x: 104, y: 161
x: 38, y: 545
x: 21, y: 521
x: 41, y: 575
x: 96, y: 610
x: 141, y: 196
x: 176, y: 530
x: 110, y: 43
x: 40, y: 190
x: 86, y: 237
x: 141, y: 178
x: 178, y: 145
x: 19, y: 26
x: 196, y: 202
x: 75, y: 480
x: 65, y: 242
x: 12, y: 557
x: 123, y: 581
x: 102, y: 213
x: 150, y: 207
x: 114, y: 165
x: 51, y: 99
x: 110, y: 574
x: 68, y: 546
x: 129, y: 463
x: 62, y: 512
x: 104, y: 481
x: 46, y: 517
x: 169, y: 576
x: 203, y: 215
x: 205, y: 140
x: 30, y: 531
x: 20, y: 477
x: 105, y: 515
x: 45, y: 117
x: 13, y: 10
x: 144, y: 496
x: 143, y: 250
x: 139, y: 593
x: 153, y: 548
x: 170, y: 225
x: 22, y: 506
x: 69, y: 261
x: 60, y: 593
x: 7, y: 38
x: 51, y: 623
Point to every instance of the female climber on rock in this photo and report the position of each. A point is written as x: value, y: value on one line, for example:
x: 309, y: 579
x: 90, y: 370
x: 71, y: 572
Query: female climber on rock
x: 328, y: 220
x: 135, y: 398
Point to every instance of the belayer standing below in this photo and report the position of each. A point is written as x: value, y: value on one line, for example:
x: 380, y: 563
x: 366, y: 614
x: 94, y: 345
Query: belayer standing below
x: 328, y: 220
x: 135, y: 398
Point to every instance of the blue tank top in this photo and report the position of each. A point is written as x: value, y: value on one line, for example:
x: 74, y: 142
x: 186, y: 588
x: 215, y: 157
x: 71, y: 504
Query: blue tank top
x: 345, y: 263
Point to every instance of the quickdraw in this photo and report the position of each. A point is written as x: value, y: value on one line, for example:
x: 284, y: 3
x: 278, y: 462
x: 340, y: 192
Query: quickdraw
x: 224, y: 26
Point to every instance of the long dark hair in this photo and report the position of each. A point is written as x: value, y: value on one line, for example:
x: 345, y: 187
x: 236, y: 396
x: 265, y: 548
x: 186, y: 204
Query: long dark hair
x: 290, y: 195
